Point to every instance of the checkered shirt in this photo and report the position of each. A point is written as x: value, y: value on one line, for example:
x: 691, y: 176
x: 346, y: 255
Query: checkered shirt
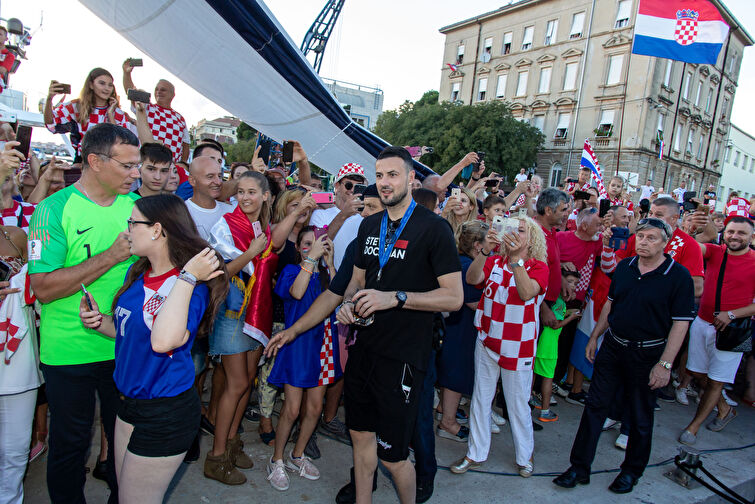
x: 620, y: 202
x: 18, y: 215
x: 169, y: 128
x: 572, y: 185
x: 739, y: 207
x: 68, y: 112
x: 327, y: 361
x: 508, y: 326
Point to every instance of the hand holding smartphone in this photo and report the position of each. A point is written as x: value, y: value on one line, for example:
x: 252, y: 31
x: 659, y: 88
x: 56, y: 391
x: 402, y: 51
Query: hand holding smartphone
x: 256, y: 228
x: 323, y: 198
x: 87, y: 298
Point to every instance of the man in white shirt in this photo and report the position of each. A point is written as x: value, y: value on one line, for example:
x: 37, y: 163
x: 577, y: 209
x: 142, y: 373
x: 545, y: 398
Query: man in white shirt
x: 205, y: 177
x: 679, y: 191
x: 343, y: 219
x: 521, y: 176
x: 645, y: 191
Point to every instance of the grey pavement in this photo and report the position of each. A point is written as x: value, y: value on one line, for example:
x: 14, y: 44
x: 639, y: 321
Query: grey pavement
x: 495, y: 482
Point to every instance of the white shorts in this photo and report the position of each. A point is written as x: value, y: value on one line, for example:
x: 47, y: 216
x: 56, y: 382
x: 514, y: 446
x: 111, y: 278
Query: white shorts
x: 705, y: 358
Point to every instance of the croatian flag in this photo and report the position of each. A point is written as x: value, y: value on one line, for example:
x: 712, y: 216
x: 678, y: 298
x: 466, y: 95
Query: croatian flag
x: 452, y: 67
x: 590, y: 160
x: 684, y: 30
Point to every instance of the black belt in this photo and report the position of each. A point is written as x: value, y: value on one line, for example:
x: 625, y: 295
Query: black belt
x: 637, y: 344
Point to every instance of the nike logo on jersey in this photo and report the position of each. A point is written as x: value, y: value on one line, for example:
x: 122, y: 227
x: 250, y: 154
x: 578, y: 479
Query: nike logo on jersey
x: 82, y: 231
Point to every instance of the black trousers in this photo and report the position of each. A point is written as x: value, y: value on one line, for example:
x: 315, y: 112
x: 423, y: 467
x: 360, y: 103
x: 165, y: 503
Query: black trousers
x: 616, y: 365
x: 71, y: 396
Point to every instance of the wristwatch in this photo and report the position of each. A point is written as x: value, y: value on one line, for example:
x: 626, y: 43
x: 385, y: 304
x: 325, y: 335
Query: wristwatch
x: 732, y: 316
x: 401, y: 297
x: 665, y: 364
x: 519, y: 263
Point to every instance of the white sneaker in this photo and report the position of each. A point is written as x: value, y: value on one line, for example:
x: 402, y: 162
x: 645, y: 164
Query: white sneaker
x: 436, y: 398
x: 526, y: 471
x: 730, y: 402
x: 497, y: 419
x: 610, y: 423
x: 681, y: 396
x: 303, y: 466
x: 621, y: 442
x: 494, y: 429
x: 463, y: 401
x: 276, y: 475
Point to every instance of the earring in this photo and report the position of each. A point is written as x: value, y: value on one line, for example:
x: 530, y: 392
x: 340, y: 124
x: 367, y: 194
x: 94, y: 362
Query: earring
x: 154, y: 238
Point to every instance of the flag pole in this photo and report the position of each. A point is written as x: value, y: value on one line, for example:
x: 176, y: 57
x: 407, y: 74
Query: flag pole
x: 626, y: 89
x: 715, y: 110
x: 673, y: 126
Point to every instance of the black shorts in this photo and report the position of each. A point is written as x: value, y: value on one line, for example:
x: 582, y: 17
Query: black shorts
x: 375, y: 401
x: 164, y: 426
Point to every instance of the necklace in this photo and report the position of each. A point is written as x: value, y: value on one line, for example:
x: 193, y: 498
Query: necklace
x: 81, y: 188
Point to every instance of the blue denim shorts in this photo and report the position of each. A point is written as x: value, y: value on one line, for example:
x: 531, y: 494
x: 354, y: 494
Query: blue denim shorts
x: 227, y: 336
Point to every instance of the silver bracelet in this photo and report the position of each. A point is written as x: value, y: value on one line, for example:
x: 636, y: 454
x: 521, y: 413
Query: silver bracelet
x: 187, y: 277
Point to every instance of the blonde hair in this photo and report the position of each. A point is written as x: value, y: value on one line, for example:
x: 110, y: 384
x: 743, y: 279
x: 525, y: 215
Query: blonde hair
x: 456, y: 221
x: 470, y: 232
x: 283, y: 200
x: 536, y: 246
x: 86, y: 97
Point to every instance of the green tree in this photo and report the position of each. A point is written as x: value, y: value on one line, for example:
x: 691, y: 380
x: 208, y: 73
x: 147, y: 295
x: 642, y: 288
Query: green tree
x: 453, y: 130
x: 245, y: 132
x: 241, y: 151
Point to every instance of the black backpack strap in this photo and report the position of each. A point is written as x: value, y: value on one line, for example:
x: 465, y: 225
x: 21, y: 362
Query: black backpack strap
x: 720, y: 282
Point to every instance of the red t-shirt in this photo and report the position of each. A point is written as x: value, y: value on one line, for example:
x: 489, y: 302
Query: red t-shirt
x: 738, y: 287
x: 554, y: 265
x: 582, y: 254
x: 681, y: 247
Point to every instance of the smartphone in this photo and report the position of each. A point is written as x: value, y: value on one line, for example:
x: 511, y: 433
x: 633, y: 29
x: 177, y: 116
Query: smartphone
x: 466, y: 173
x: 5, y: 271
x: 86, y: 297
x: 23, y: 136
x: 491, y: 183
x: 65, y: 88
x: 288, y: 152
x: 323, y: 198
x: 510, y: 226
x: 138, y: 96
x: 71, y: 176
x: 135, y: 62
x: 257, y: 228
x: 582, y: 195
x: 605, y: 205
x: 619, y: 238
x: 456, y: 192
x: 320, y: 231
x: 497, y: 225
x: 359, y: 190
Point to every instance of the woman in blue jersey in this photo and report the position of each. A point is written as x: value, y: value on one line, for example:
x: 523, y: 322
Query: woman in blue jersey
x: 181, y: 279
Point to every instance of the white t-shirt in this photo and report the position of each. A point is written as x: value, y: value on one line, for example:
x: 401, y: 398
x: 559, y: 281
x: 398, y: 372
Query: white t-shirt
x: 345, y: 235
x: 646, y: 191
x: 521, y: 177
x: 679, y: 194
x: 205, y: 218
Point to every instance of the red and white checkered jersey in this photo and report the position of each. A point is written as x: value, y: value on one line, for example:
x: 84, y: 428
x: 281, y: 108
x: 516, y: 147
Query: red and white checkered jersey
x: 508, y: 326
x: 168, y: 127
x: 573, y: 185
x: 738, y: 206
x: 620, y: 202
x: 19, y: 214
x: 68, y: 112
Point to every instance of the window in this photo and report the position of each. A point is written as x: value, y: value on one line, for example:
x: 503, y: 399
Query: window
x: 460, y: 54
x: 544, y: 86
x: 482, y: 89
x: 677, y: 137
x: 697, y: 94
x: 556, y: 170
x: 521, y: 83
x: 486, y: 50
x: 623, y: 13
x: 728, y: 153
x: 507, y: 37
x: 455, y: 90
x: 736, y: 158
x: 752, y: 165
x: 685, y: 93
x: 562, y: 128
x: 732, y: 62
x: 550, y: 32
x: 529, y: 35
x: 690, y: 138
x: 577, y: 24
x: 725, y: 109
x: 700, y: 146
x: 605, y: 127
x: 615, y: 63
x: 744, y: 161
x: 659, y: 127
x: 538, y: 122
x: 500, y: 86
x: 667, y: 75
x: 570, y: 76
x: 717, y: 151
x: 708, y: 100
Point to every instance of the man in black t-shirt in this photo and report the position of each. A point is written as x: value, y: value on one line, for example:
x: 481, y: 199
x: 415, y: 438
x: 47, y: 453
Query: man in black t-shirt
x: 710, y: 196
x: 406, y: 268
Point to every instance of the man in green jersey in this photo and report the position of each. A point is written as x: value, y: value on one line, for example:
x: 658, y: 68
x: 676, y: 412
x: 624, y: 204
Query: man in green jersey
x: 77, y: 236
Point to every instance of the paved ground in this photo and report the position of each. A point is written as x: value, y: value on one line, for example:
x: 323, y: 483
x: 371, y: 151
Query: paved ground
x: 494, y: 483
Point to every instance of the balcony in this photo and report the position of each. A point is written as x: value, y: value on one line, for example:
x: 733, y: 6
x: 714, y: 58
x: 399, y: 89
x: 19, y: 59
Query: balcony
x: 559, y: 142
x: 601, y: 141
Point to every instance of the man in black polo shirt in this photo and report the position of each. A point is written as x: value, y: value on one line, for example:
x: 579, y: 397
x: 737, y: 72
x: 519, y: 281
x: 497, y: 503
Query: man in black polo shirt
x: 650, y: 305
x: 406, y: 268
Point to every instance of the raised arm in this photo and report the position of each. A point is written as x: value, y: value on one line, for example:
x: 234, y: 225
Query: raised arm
x: 128, y: 83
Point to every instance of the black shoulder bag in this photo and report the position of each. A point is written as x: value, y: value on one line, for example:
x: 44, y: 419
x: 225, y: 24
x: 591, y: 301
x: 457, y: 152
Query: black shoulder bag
x: 737, y: 336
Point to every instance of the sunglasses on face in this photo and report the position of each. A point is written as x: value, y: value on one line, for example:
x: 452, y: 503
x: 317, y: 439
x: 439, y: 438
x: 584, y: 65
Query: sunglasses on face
x: 349, y: 184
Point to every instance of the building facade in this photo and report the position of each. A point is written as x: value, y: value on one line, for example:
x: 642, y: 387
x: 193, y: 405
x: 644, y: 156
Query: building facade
x: 566, y: 67
x: 222, y: 129
x: 363, y: 103
x: 738, y: 167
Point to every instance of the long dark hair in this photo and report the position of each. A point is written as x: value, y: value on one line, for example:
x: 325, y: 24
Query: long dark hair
x: 321, y: 269
x: 184, y: 243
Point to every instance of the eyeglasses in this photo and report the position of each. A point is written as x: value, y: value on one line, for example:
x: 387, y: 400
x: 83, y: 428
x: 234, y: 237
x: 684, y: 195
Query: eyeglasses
x: 129, y: 167
x: 131, y: 222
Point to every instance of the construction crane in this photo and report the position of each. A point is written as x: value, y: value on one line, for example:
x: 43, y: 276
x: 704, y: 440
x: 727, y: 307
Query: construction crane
x: 318, y: 34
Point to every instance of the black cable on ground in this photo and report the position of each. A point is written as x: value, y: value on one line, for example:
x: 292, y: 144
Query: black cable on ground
x: 735, y: 499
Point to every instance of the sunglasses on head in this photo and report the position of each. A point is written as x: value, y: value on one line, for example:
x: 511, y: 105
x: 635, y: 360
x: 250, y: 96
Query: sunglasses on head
x: 656, y: 223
